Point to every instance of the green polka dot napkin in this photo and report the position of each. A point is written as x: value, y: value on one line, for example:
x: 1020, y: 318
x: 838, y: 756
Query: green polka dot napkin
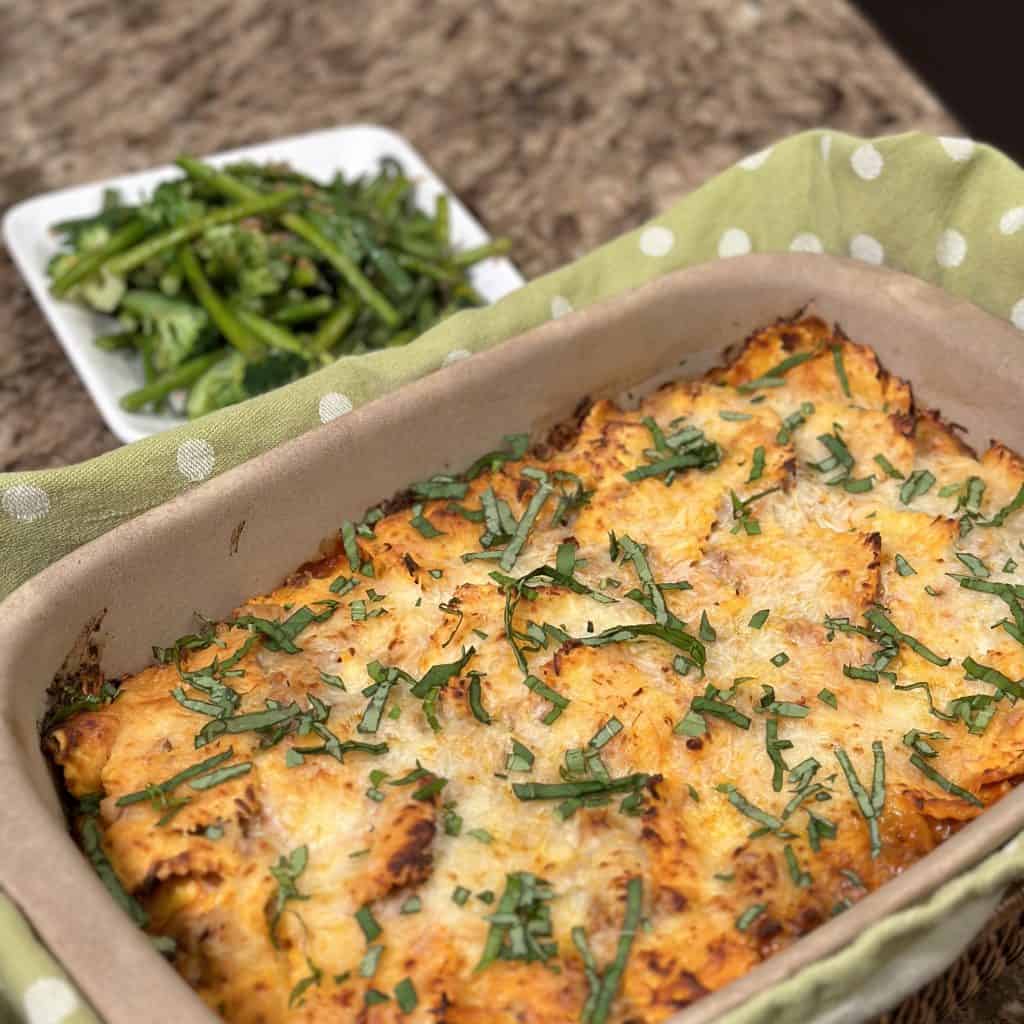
x: 945, y: 209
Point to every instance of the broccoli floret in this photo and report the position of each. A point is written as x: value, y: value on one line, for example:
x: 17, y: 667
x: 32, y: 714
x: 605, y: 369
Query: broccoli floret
x: 247, y: 256
x: 178, y: 329
x: 93, y: 236
x: 234, y: 379
x: 223, y: 384
x: 102, y: 291
x: 172, y: 203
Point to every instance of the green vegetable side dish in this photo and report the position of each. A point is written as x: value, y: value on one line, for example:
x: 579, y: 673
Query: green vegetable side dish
x: 229, y: 282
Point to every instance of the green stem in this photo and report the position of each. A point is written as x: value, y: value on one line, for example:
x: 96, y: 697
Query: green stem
x: 334, y: 327
x: 441, y: 219
x: 220, y: 313
x: 345, y: 267
x: 270, y: 333
x: 183, y: 232
x: 182, y: 376
x: 117, y: 341
x: 299, y: 312
x: 91, y: 260
x: 496, y: 247
x: 223, y: 183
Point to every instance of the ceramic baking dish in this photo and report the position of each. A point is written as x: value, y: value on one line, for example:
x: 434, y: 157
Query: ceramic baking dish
x: 242, y: 532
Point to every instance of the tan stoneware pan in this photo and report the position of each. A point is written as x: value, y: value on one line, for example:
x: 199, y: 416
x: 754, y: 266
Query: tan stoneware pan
x: 144, y: 580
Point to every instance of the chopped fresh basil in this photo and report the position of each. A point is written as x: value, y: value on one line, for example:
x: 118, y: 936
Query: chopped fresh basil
x: 940, y: 780
x: 801, y: 879
x: 553, y: 697
x: 745, y: 807
x: 440, y: 487
x: 844, y: 381
x: 870, y: 804
x: 521, y: 925
x: 706, y: 632
x: 975, y: 566
x: 92, y: 846
x: 826, y: 696
x: 603, y: 987
x: 884, y: 624
x: 718, y: 708
x: 919, y: 483
x: 368, y: 965
x: 758, y: 619
x: 219, y: 775
x: 749, y: 916
x: 156, y: 792
x: 297, y: 995
x: 286, y: 872
x: 280, y: 636
x: 343, y: 584
x: 405, y: 996
x: 974, y: 670
x: 889, y: 469
x: 368, y: 923
x: 794, y: 420
x: 903, y: 567
x: 423, y: 525
x: 331, y: 680
x: 773, y: 377
x: 476, y: 699
x: 685, y: 449
x: 430, y: 788
x: 520, y: 758
x: 999, y: 519
x: 757, y: 465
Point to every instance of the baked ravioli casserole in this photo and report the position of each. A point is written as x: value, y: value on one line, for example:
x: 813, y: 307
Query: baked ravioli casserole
x: 588, y: 730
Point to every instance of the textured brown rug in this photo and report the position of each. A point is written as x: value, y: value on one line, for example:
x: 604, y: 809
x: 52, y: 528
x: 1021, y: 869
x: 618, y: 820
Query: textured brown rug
x: 561, y: 123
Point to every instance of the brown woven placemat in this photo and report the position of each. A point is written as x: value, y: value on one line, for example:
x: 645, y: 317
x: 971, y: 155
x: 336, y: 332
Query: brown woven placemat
x: 967, y: 986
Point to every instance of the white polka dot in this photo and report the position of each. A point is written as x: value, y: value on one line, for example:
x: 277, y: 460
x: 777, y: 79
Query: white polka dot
x: 656, y: 241
x: 1012, y: 221
x: 866, y: 248
x: 867, y: 162
x: 49, y: 1001
x: 25, y: 502
x: 195, y: 459
x: 1017, y: 314
x: 560, y: 305
x: 456, y: 355
x: 333, y: 405
x: 734, y: 242
x: 951, y: 248
x: 957, y: 149
x: 752, y: 162
x: 806, y: 242
x: 826, y: 146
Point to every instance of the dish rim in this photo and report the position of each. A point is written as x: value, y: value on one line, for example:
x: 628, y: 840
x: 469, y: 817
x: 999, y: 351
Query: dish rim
x: 25, y: 809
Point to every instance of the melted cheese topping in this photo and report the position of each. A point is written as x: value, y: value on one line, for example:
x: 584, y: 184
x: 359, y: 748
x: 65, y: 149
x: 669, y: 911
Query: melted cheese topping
x: 807, y: 550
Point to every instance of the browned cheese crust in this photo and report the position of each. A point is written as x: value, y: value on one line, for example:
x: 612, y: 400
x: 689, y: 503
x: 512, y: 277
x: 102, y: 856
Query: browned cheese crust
x: 746, y: 832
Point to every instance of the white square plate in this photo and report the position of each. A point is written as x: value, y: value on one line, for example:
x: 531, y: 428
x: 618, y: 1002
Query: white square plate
x: 353, y: 150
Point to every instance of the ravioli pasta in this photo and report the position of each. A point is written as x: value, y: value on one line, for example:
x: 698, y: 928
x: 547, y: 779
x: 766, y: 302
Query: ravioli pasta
x: 590, y: 730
